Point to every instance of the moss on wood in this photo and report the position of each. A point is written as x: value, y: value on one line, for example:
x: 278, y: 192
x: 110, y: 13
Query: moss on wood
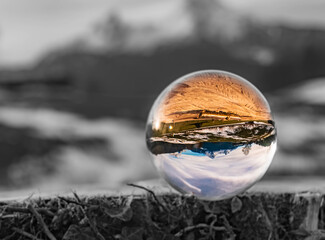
x: 166, y: 216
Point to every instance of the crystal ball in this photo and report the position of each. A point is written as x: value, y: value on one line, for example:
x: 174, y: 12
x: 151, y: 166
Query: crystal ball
x: 211, y: 134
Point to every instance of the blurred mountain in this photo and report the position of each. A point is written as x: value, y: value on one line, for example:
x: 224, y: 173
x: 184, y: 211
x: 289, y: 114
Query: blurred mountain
x: 120, y: 67
x: 300, y: 115
x: 54, y: 150
x: 50, y: 151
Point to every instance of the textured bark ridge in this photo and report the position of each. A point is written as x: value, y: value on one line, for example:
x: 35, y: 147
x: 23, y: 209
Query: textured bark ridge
x: 252, y: 215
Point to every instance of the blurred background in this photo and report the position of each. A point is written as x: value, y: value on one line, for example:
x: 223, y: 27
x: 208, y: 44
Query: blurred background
x: 78, y: 78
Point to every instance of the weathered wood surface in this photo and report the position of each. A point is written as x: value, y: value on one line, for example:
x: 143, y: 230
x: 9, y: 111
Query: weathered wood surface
x: 163, y: 214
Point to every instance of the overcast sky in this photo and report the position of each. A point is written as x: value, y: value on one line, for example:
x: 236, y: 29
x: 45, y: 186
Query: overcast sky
x: 29, y: 27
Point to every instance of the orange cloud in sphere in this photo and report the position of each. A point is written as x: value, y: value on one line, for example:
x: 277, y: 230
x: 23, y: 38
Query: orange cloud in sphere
x: 211, y: 96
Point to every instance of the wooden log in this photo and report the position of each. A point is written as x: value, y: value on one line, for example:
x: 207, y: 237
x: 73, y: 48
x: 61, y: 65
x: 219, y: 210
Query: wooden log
x: 158, y: 213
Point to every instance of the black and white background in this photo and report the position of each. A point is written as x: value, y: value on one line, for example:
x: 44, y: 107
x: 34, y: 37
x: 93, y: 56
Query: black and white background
x: 78, y: 78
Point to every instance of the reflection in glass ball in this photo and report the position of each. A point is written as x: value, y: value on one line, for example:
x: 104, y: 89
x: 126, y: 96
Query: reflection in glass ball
x: 211, y: 134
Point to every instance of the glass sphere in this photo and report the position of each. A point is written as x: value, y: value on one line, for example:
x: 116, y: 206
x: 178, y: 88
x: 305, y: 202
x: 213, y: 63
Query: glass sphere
x: 211, y: 134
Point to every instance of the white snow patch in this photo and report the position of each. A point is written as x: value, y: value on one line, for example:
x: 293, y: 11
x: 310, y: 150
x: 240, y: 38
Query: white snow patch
x: 312, y: 91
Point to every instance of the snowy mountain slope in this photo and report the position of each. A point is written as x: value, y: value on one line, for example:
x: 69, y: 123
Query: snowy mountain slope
x: 300, y: 116
x: 80, y: 152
